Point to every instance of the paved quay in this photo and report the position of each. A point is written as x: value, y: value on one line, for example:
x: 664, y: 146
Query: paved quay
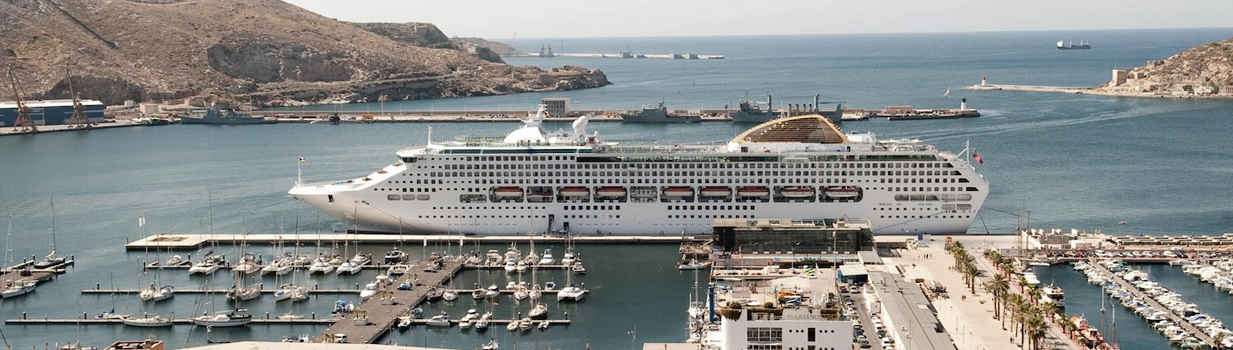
x: 968, y: 317
x: 378, y: 314
x: 194, y: 241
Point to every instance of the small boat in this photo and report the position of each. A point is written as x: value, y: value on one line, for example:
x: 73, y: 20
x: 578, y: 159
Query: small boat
x: 361, y: 259
x: 571, y: 292
x: 406, y: 285
x: 404, y: 323
x: 175, y: 260
x: 796, y: 191
x: 841, y: 192
x: 290, y: 292
x: 247, y: 265
x: 1053, y: 293
x: 348, y: 267
x: 550, y: 285
x: 753, y: 192
x: 511, y: 266
x: 492, y: 291
x: 435, y: 295
x: 16, y: 288
x: 369, y: 291
x: 49, y: 261
x: 610, y: 192
x: 450, y: 295
x: 692, y: 264
x: 148, y: 321
x: 478, y: 294
x: 716, y: 191
x: 156, y: 294
x: 279, y: 267
x: 491, y: 345
x: 679, y: 192
x: 543, y: 325
x: 578, y: 269
x: 483, y: 321
x: 398, y: 269
x: 441, y: 320
x: 204, y: 267
x: 395, y: 256
x: 547, y: 258
x: 244, y: 294
x: 512, y: 326
x: 321, y: 265
x: 575, y: 192
x: 525, y: 324
x: 233, y: 318
x: 539, y: 312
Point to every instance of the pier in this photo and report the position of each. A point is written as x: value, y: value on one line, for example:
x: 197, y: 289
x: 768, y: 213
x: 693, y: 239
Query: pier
x: 381, y: 313
x: 1178, y: 320
x: 195, y: 241
x: 184, y: 321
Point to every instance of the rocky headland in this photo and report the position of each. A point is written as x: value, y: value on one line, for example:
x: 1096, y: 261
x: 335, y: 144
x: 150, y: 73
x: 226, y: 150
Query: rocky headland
x: 257, y: 52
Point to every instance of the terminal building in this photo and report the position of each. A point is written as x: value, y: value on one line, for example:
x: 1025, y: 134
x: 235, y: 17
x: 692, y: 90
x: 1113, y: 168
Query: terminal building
x: 820, y: 242
x: 50, y: 112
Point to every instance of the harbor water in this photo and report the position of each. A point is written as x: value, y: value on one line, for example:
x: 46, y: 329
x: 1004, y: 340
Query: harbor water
x: 1074, y: 161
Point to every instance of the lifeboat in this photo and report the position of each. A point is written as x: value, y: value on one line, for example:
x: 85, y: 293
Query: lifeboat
x: 716, y: 191
x: 507, y: 192
x: 679, y: 192
x: 575, y: 192
x: 796, y: 191
x: 753, y: 192
x: 610, y: 192
x: 843, y: 192
x: 644, y: 192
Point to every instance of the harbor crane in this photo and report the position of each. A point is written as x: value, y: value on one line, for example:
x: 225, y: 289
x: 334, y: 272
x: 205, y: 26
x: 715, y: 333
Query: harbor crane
x: 79, y: 119
x: 23, y: 123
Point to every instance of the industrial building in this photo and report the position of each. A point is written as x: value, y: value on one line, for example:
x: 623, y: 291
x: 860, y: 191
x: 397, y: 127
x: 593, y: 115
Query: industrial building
x: 50, y: 112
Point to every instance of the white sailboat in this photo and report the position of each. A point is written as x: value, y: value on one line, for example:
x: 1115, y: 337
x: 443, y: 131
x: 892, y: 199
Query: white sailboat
x: 947, y: 93
x: 228, y: 318
x: 13, y: 287
x: 51, y: 260
x: 149, y: 321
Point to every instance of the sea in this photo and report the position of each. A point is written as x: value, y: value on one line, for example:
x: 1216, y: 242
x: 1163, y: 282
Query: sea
x: 1122, y: 166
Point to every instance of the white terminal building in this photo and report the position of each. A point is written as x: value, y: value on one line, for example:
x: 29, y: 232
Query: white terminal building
x: 796, y: 329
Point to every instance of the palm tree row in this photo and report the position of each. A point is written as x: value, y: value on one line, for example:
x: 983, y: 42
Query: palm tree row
x: 1027, y: 319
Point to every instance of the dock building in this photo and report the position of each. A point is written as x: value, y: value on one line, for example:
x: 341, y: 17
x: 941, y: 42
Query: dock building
x: 762, y: 241
x: 50, y: 112
x: 784, y: 329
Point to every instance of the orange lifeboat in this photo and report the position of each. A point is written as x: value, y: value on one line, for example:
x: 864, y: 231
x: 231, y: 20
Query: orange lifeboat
x: 610, y: 192
x: 716, y: 191
x: 575, y: 192
x: 507, y: 192
x: 843, y: 192
x: 796, y: 191
x: 753, y: 192
x: 679, y: 191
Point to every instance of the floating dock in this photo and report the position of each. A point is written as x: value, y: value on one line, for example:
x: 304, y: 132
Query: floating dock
x: 1212, y: 343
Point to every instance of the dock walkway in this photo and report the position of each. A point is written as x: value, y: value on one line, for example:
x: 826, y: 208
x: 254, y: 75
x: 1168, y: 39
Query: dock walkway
x: 378, y: 314
x: 194, y: 241
x: 1178, y: 320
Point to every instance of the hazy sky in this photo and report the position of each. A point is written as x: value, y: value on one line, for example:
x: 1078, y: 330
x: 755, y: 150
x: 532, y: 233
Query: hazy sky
x: 501, y: 19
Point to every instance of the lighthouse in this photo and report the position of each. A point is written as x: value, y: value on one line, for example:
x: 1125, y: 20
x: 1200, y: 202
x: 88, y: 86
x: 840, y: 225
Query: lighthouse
x: 963, y: 104
x: 982, y: 81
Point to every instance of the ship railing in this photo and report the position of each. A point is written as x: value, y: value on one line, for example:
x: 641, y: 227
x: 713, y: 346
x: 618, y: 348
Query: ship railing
x: 322, y: 184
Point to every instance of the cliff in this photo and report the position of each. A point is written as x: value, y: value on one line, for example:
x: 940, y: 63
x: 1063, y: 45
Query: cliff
x: 1202, y: 71
x: 260, y: 52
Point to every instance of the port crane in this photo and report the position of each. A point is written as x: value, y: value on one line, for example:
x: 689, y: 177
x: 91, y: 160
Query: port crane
x: 79, y: 119
x: 23, y: 123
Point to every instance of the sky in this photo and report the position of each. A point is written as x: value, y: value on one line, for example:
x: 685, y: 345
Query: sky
x: 501, y: 20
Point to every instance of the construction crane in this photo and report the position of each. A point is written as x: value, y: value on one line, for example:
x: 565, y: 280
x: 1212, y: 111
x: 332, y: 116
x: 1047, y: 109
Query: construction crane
x: 79, y: 119
x: 23, y: 123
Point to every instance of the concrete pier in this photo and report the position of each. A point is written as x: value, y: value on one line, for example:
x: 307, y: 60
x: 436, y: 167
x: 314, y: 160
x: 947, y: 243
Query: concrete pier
x: 194, y: 241
x: 380, y: 313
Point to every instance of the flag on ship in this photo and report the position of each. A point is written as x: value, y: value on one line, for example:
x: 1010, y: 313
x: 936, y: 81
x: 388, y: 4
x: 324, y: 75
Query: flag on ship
x: 303, y: 160
x: 977, y: 157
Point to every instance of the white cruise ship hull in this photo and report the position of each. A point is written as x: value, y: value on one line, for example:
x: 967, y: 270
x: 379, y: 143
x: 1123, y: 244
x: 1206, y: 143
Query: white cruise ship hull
x: 608, y: 189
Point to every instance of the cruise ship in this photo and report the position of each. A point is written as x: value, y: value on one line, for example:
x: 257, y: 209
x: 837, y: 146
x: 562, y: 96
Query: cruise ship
x: 534, y: 182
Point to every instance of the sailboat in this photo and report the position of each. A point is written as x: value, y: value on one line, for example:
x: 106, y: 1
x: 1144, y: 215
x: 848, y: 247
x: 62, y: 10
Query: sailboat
x: 947, y: 93
x: 51, y: 260
x: 17, y: 287
x: 149, y: 321
x: 571, y: 291
x: 229, y: 318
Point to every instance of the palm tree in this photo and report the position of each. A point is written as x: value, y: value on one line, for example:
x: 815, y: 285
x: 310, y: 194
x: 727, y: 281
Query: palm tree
x: 1033, y: 294
x: 998, y: 286
x: 1011, y: 304
x: 1069, y: 327
x: 1022, y: 283
x: 1036, y: 330
x: 1007, y: 266
x: 971, y: 271
x: 1049, y: 309
x: 1026, y: 312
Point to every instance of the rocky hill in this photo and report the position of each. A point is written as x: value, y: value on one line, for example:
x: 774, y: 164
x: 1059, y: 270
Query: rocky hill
x: 1205, y: 70
x: 260, y: 52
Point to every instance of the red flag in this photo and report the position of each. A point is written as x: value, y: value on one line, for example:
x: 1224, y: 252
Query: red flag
x: 976, y: 156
